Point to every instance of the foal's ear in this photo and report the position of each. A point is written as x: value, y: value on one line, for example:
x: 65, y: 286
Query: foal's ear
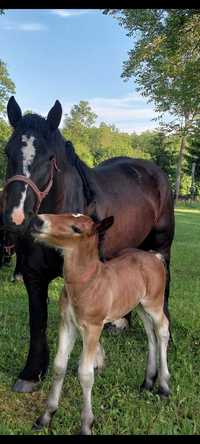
x: 104, y: 224
x: 54, y: 116
x: 14, y: 112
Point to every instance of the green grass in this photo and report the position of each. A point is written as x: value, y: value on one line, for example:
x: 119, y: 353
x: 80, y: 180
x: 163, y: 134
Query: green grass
x: 118, y: 406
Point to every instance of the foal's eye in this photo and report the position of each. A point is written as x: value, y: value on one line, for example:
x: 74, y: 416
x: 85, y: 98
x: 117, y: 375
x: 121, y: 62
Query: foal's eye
x: 76, y: 229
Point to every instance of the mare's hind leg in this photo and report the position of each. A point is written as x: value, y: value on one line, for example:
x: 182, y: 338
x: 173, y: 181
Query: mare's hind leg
x: 151, y: 369
x: 161, y: 328
x: 161, y: 241
x: 119, y: 325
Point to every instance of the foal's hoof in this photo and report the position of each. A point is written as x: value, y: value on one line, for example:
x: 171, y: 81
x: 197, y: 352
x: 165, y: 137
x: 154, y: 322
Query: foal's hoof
x: 22, y: 386
x: 146, y: 386
x: 86, y: 431
x: 163, y: 393
x: 37, y: 426
x: 41, y: 422
x: 149, y: 383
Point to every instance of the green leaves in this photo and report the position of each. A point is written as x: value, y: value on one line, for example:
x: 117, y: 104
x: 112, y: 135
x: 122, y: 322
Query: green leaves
x: 165, y: 63
x: 7, y: 87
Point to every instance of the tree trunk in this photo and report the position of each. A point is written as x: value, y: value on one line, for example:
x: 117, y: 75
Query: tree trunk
x: 179, y: 166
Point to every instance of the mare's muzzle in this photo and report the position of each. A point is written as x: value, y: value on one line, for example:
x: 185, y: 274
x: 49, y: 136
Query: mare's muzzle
x: 40, y: 195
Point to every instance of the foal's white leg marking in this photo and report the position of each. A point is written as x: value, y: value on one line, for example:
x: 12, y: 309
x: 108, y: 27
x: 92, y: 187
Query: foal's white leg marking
x: 163, y: 339
x: 99, y: 358
x: 28, y: 152
x: 86, y: 375
x: 67, y: 337
x: 161, y: 325
x: 151, y: 369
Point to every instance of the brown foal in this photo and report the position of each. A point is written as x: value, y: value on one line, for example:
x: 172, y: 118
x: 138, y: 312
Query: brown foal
x: 97, y: 292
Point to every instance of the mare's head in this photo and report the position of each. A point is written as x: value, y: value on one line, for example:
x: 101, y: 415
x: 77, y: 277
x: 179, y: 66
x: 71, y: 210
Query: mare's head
x: 63, y: 230
x: 30, y: 153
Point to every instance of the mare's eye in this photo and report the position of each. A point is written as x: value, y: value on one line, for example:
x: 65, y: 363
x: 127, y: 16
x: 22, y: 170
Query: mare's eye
x: 76, y: 229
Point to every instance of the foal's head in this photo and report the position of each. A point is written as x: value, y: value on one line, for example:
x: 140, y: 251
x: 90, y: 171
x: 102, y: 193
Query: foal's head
x: 30, y: 152
x: 63, y: 230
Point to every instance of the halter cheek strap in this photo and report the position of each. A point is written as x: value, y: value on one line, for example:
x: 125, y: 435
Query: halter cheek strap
x: 40, y: 195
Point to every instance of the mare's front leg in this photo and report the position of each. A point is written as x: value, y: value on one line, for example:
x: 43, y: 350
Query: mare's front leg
x: 40, y: 266
x: 38, y: 356
x: 17, y: 275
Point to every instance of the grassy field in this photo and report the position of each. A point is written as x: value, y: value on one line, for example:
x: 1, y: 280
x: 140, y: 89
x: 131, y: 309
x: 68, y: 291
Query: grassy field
x: 118, y: 405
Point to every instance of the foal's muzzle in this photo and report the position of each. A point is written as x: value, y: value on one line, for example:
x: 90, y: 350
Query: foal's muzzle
x: 35, y: 225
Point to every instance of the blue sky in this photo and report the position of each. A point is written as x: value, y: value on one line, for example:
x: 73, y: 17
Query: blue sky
x: 72, y: 55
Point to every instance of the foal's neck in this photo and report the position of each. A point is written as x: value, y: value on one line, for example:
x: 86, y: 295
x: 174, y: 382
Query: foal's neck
x: 81, y: 260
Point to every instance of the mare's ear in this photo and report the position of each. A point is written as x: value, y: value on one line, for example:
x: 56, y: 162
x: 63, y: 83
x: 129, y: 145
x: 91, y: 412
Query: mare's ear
x: 106, y: 223
x: 54, y: 116
x: 14, y: 112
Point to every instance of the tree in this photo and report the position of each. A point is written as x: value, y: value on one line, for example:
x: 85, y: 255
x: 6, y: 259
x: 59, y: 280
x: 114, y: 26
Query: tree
x: 77, y: 126
x: 5, y: 132
x: 192, y: 167
x: 7, y: 87
x: 165, y: 63
x: 80, y: 114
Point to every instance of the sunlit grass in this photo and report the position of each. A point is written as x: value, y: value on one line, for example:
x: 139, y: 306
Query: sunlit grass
x: 118, y: 405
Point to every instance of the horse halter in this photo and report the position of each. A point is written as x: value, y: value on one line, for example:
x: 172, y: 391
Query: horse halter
x: 40, y: 195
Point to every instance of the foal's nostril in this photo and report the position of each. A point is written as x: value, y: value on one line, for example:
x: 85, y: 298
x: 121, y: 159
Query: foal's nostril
x: 36, y: 223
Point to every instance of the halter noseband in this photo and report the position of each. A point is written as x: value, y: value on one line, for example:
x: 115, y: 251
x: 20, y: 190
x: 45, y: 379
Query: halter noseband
x: 40, y: 195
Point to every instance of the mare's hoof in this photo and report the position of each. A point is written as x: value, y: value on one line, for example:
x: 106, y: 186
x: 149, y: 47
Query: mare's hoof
x: 163, y: 393
x: 17, y: 278
x: 22, y: 386
x: 118, y: 326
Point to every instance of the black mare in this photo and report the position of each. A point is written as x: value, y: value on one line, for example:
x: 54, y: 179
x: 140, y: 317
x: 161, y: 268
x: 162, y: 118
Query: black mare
x: 136, y: 192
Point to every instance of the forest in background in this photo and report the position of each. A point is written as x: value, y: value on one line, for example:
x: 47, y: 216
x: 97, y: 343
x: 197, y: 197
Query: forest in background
x: 165, y: 65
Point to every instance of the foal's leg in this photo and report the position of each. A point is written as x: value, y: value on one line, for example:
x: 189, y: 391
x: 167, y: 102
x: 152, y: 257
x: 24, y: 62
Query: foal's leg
x: 67, y: 336
x: 90, y: 336
x: 99, y: 358
x: 151, y: 369
x: 161, y: 326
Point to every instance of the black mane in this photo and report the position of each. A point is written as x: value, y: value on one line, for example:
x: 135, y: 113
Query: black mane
x: 83, y: 170
x: 34, y: 122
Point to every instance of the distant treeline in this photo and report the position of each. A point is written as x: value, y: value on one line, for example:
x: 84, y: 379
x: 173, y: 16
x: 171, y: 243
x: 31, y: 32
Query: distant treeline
x: 94, y: 144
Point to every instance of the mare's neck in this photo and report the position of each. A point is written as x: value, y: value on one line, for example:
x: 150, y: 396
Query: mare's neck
x: 81, y: 261
x: 71, y: 190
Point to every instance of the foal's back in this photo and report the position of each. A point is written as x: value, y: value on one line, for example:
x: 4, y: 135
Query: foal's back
x: 135, y: 277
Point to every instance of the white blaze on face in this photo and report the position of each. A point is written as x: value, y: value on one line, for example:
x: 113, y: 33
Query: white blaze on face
x: 77, y: 215
x: 28, y: 152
